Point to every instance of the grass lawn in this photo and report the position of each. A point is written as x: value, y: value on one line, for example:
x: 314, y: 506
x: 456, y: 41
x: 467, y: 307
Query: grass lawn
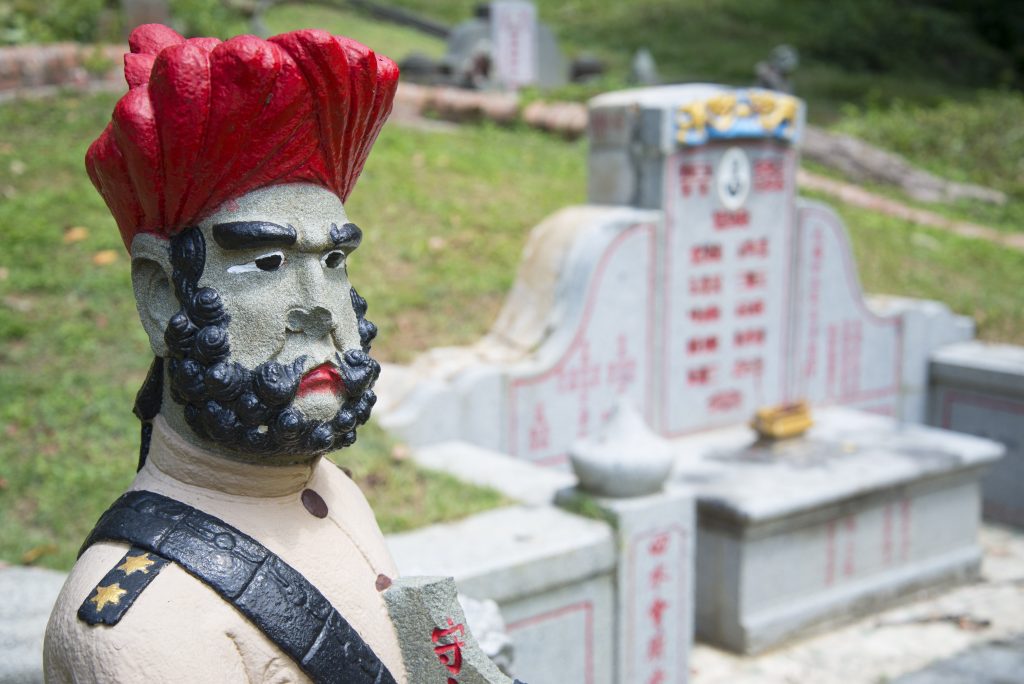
x: 445, y: 217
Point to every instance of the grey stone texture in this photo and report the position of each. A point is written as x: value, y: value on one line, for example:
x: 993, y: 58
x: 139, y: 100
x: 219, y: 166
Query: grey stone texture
x: 798, y: 535
x: 654, y: 580
x: 979, y: 620
x: 28, y: 596
x: 551, y: 573
x: 979, y: 389
x: 437, y: 644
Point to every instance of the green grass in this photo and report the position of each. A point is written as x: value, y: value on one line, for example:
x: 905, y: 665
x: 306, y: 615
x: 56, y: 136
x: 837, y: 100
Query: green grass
x: 980, y: 141
x: 863, y: 51
x: 392, y: 40
x: 445, y: 218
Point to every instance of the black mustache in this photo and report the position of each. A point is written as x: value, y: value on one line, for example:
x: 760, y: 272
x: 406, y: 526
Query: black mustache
x: 358, y: 371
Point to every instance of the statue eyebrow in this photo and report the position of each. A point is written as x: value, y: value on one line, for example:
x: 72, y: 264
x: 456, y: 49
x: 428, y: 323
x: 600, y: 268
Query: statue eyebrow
x: 347, y: 237
x: 247, y: 234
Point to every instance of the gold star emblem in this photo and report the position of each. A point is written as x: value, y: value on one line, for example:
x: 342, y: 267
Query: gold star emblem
x: 139, y: 563
x: 110, y: 594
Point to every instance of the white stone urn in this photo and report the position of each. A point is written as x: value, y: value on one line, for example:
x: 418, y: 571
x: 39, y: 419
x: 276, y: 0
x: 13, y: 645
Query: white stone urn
x: 623, y: 459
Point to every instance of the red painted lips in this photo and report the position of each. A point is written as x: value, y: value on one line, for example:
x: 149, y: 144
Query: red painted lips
x: 323, y: 378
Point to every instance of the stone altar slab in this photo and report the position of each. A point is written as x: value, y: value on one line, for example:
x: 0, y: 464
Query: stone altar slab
x: 551, y: 573
x: 979, y: 389
x: 797, y: 535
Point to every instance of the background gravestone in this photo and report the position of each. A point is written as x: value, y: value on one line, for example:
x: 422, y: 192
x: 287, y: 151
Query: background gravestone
x: 979, y: 389
x: 696, y: 285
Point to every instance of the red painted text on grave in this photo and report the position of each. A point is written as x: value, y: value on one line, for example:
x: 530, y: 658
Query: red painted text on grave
x: 752, y: 308
x: 622, y: 370
x: 706, y: 285
x: 702, y: 375
x: 748, y: 367
x: 701, y: 345
x: 707, y: 314
x: 754, y: 247
x: 540, y: 431
x: 724, y: 220
x: 753, y: 280
x: 725, y: 401
x: 703, y: 254
x: 695, y: 179
x: 769, y: 175
x: 745, y: 338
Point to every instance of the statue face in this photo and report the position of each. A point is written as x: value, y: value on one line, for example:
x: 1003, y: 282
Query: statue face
x: 268, y: 352
x: 284, y: 283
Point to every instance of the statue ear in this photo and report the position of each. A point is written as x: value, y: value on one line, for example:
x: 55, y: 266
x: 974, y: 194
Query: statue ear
x: 154, y: 294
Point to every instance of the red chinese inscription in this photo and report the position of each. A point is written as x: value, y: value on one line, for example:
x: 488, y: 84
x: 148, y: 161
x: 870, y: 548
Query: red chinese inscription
x: 753, y: 279
x: 540, y: 431
x: 701, y: 345
x: 724, y: 220
x: 769, y: 175
x: 751, y: 308
x: 702, y: 375
x: 748, y: 367
x: 709, y: 284
x: 754, y: 247
x: 622, y: 371
x: 727, y: 400
x: 695, y: 179
x: 703, y: 254
x: 707, y: 314
x: 448, y: 648
x: 745, y: 338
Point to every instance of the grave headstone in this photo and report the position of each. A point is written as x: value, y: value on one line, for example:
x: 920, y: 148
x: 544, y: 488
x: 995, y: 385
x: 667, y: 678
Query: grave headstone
x: 979, y: 389
x: 514, y: 40
x: 697, y: 288
x: 696, y: 285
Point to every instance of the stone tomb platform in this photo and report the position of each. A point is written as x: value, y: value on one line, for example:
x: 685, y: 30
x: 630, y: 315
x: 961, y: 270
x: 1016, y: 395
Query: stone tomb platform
x: 799, y: 535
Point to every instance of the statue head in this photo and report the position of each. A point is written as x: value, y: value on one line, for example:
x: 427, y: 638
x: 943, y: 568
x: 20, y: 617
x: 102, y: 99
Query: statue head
x: 226, y: 167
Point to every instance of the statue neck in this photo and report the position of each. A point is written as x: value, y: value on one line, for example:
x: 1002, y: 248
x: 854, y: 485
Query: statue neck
x: 193, y: 465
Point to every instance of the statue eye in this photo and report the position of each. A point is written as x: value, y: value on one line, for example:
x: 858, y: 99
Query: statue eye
x: 270, y: 262
x: 266, y: 262
x: 333, y: 259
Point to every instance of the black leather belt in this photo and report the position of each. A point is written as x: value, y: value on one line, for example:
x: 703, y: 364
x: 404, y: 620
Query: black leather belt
x: 273, y: 595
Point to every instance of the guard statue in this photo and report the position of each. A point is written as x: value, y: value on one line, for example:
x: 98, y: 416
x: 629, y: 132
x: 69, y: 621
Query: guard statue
x: 239, y: 553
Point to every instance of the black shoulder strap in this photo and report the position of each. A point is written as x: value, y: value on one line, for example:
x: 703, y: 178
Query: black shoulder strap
x: 274, y: 596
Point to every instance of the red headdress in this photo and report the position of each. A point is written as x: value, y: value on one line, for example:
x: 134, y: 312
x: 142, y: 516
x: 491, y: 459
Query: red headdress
x: 206, y: 121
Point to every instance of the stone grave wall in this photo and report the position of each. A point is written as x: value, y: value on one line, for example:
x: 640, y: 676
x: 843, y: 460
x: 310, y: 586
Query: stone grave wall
x: 979, y: 389
x: 551, y: 574
x: 696, y: 285
x: 584, y: 600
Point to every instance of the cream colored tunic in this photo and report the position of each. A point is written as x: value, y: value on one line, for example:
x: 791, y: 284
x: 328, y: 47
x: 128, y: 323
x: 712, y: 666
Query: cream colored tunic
x: 179, y: 630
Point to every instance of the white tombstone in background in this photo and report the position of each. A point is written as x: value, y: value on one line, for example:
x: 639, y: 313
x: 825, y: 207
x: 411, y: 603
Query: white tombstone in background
x: 696, y: 285
x: 514, y: 38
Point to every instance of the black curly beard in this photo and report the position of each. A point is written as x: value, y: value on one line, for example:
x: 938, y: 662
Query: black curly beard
x: 247, y: 411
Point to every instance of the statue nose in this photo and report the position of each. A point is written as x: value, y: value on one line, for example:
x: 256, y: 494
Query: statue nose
x: 316, y: 322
